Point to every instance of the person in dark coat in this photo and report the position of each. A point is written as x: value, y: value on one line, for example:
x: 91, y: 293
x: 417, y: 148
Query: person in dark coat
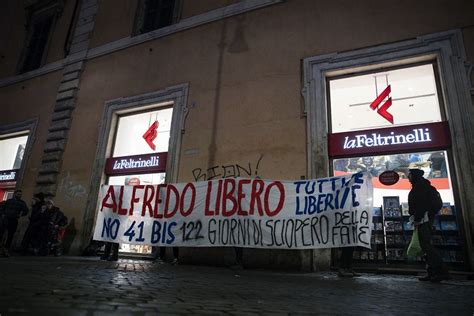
x: 55, y: 215
x: 423, y: 217
x: 50, y: 220
x: 37, y: 210
x: 10, y: 211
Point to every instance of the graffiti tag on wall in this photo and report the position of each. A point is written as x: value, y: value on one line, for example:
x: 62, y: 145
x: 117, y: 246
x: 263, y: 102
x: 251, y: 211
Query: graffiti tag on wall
x: 70, y: 189
x: 227, y: 171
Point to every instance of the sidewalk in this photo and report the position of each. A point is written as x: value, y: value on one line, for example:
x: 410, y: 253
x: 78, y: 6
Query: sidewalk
x: 85, y: 286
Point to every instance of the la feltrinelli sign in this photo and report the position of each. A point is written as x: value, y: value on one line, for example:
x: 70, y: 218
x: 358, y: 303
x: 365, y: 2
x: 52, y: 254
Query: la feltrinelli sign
x: 390, y: 140
x: 254, y: 213
x: 8, y: 175
x: 137, y: 164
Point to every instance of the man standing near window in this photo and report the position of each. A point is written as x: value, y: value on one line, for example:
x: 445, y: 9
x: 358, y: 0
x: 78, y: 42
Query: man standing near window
x: 420, y: 204
x: 10, y: 211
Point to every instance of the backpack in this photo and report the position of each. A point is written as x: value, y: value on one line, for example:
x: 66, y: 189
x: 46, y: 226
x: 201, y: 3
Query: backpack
x: 435, y: 201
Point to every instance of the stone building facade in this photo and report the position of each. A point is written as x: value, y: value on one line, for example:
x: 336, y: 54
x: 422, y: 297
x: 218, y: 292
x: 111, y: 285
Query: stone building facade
x: 248, y: 82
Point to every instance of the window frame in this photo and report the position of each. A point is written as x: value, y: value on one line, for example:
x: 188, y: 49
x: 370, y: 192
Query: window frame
x: 140, y: 17
x: 447, y: 48
x: 41, y: 10
x: 16, y: 135
x: 177, y: 96
x: 27, y: 127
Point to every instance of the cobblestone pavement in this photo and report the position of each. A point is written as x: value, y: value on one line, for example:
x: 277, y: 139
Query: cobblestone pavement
x: 85, y: 286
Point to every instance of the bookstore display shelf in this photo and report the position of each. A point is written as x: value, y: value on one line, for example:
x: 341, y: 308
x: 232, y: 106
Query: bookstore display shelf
x: 396, y: 246
x: 447, y: 232
x: 447, y: 217
x: 447, y: 246
x: 392, y: 233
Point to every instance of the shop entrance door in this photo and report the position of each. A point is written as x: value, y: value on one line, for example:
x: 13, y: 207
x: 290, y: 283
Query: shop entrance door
x: 139, y: 154
x: 137, y: 179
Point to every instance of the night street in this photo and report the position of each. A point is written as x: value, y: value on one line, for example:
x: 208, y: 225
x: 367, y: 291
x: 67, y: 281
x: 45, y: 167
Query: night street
x: 269, y: 151
x: 87, y: 286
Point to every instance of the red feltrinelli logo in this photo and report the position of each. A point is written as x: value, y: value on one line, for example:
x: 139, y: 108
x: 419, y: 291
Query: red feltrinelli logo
x: 151, y: 134
x: 383, y: 109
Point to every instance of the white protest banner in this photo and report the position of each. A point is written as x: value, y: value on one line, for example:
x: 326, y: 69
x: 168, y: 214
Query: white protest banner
x: 321, y: 213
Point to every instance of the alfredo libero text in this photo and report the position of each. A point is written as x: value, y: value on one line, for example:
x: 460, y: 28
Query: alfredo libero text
x: 321, y: 213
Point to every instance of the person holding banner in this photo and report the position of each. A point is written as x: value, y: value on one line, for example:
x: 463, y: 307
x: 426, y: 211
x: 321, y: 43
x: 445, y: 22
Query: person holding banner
x: 160, y: 253
x: 110, y: 251
x: 420, y: 205
x: 345, y: 263
x: 239, y: 253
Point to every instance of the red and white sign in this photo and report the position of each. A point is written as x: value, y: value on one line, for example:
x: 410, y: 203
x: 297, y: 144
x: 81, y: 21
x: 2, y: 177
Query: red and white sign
x: 389, y: 177
x: 382, y: 111
x: 138, y: 164
x: 151, y: 134
x: 391, y: 140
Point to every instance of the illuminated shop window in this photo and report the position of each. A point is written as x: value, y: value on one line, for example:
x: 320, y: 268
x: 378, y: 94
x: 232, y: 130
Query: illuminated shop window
x: 434, y: 164
x: 12, y: 150
x: 415, y: 101
x: 129, y: 141
x: 414, y: 96
x: 131, y: 128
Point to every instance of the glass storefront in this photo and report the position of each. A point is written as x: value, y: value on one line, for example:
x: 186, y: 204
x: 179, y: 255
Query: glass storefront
x: 130, y: 139
x: 434, y: 164
x: 415, y: 101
